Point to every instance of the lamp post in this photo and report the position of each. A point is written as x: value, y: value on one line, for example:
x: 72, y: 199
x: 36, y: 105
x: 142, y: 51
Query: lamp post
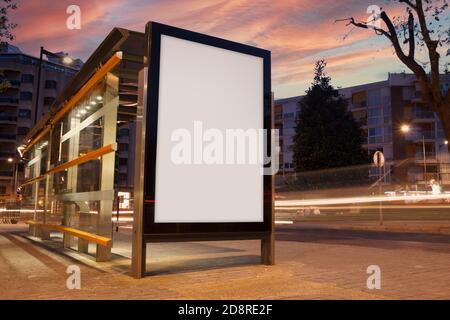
x: 440, y: 159
x: 65, y: 60
x: 16, y: 169
x: 424, y: 160
x: 405, y: 128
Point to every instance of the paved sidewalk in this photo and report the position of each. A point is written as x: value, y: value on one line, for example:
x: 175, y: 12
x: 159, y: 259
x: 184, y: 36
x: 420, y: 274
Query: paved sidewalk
x: 311, y: 264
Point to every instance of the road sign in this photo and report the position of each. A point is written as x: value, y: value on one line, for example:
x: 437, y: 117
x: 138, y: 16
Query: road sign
x: 378, y: 159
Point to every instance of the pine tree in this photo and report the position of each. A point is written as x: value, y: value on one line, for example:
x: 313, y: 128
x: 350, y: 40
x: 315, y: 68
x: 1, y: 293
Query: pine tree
x: 326, y: 135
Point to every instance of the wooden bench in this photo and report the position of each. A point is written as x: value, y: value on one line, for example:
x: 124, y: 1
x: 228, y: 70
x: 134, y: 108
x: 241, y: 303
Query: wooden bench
x: 100, y: 240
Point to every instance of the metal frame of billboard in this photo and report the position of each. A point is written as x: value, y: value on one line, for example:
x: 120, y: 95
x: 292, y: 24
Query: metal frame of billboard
x: 145, y: 230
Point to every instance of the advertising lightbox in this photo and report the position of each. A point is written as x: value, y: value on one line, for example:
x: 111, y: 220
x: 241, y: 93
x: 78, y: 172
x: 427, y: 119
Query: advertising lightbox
x: 207, y: 135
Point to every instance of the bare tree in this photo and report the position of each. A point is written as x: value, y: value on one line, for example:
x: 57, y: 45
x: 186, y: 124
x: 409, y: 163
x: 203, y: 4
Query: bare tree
x: 424, y: 28
x: 6, y: 28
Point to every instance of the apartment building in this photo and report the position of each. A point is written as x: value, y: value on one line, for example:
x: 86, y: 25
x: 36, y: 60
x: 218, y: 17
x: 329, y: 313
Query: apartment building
x: 18, y: 114
x: 382, y: 108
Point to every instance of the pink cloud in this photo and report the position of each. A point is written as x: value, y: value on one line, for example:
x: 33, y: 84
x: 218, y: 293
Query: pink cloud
x: 296, y: 31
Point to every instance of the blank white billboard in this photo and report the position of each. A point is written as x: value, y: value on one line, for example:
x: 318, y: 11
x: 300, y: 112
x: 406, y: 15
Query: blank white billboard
x: 204, y: 91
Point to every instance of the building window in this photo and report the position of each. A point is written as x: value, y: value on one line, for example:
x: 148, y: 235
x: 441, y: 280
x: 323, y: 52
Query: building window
x: 27, y: 96
x: 123, y: 177
x: 27, y: 78
x: 123, y: 147
x: 289, y: 115
x: 123, y: 132
x: 26, y: 114
x: 375, y: 116
x: 22, y: 131
x: 123, y: 161
x: 289, y: 165
x: 48, y: 101
x: 375, y: 135
x: 2, y: 190
x: 359, y: 99
x: 374, y: 97
x: 50, y: 84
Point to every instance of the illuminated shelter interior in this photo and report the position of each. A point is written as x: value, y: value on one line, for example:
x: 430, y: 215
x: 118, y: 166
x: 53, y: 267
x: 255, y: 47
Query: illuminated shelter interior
x: 72, y: 169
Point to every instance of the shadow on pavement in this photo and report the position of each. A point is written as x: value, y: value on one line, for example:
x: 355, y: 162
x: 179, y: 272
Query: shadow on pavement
x: 185, y: 265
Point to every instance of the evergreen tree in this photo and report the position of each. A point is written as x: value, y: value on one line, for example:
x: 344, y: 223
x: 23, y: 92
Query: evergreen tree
x: 326, y: 134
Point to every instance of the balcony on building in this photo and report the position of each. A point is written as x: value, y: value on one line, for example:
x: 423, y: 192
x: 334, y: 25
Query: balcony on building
x: 7, y: 136
x: 360, y: 117
x: 9, y: 98
x: 423, y: 132
x: 7, y: 117
x: 417, y: 97
x: 359, y: 101
x: 430, y: 157
x: 422, y: 114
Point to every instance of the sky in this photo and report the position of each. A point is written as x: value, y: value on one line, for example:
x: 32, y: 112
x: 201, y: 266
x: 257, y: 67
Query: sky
x: 297, y: 32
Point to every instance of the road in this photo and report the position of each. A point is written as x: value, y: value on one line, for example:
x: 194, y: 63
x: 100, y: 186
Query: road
x: 312, y: 262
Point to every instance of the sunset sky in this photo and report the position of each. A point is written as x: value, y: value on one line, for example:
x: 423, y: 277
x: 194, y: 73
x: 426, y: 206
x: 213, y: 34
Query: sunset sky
x: 297, y: 32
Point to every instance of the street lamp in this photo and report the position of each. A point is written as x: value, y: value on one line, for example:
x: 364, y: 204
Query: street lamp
x: 16, y: 169
x: 405, y: 128
x: 65, y: 60
x: 440, y: 159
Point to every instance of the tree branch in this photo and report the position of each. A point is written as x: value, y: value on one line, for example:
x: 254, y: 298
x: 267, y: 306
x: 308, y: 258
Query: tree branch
x: 432, y: 52
x: 351, y: 21
x: 411, y: 39
x: 391, y: 34
x: 409, y: 60
x: 409, y: 3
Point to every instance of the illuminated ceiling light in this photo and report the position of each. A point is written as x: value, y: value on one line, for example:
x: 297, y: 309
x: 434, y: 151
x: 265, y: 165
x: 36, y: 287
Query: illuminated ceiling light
x: 83, y: 111
x: 99, y: 98
x: 20, y: 150
x: 93, y: 103
x: 88, y: 107
x: 446, y: 142
x: 10, y: 160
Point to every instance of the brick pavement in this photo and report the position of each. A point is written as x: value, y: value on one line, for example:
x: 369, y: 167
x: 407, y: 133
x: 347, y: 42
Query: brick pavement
x: 311, y: 264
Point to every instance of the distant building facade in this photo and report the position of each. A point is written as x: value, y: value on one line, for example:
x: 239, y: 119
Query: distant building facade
x: 18, y: 114
x: 381, y: 108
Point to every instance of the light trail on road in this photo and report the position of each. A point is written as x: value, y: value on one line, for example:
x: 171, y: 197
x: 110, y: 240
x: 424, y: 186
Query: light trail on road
x: 356, y: 200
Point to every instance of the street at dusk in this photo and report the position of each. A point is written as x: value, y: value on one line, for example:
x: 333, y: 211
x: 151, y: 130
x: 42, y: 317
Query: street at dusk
x: 234, y: 158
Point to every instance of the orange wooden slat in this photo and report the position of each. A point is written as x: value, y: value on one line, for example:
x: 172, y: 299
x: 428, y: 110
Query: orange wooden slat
x: 32, y: 180
x: 100, y: 240
x: 87, y: 157
x: 97, y: 77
